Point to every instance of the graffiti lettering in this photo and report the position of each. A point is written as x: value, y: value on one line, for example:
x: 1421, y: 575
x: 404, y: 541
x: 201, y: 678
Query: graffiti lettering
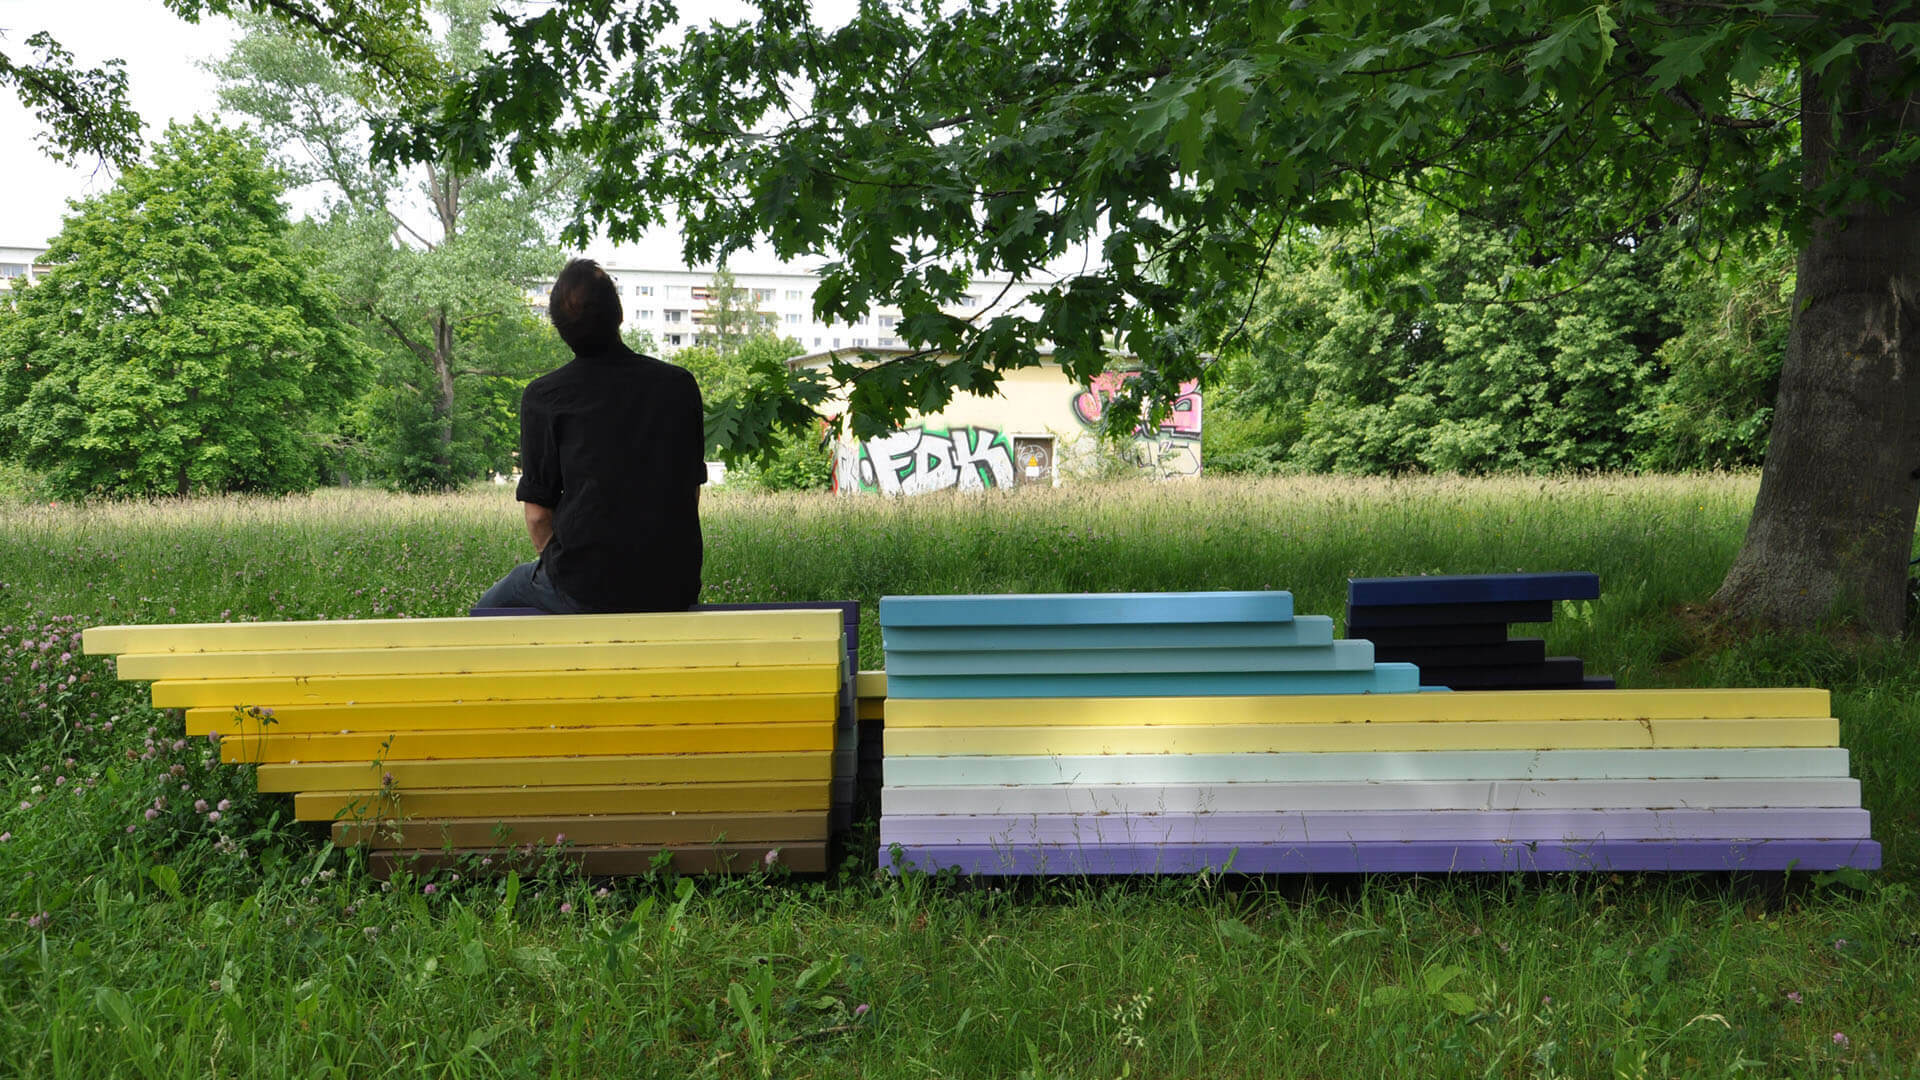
x: 914, y: 461
x: 1091, y: 404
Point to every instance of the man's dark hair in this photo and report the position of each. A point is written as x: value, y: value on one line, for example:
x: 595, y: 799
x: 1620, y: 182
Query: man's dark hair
x: 585, y: 308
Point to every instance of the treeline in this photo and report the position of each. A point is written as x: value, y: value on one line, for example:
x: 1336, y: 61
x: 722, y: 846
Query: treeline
x: 1419, y: 341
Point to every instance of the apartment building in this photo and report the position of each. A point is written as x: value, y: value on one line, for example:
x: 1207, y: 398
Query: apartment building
x: 20, y: 263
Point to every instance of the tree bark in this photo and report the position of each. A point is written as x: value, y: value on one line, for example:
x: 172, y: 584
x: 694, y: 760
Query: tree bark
x: 443, y: 400
x: 1832, y: 528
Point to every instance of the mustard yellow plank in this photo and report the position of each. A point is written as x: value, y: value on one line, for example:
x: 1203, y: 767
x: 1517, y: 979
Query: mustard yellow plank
x: 666, y: 829
x: 546, y: 742
x: 476, y: 715
x: 496, y: 686
x: 389, y: 633
x: 636, y: 655
x: 1270, y: 738
x: 870, y: 684
x: 538, y: 772
x: 1462, y: 706
x: 581, y: 799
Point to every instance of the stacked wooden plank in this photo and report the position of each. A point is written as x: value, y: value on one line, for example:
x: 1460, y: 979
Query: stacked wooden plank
x: 1456, y: 628
x: 706, y: 736
x: 1041, y: 767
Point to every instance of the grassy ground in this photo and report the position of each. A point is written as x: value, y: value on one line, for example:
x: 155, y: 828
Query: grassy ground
x: 140, y: 936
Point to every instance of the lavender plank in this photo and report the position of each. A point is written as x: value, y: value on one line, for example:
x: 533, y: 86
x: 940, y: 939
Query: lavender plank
x: 1415, y: 857
x: 1532, y: 611
x: 1375, y: 826
x: 1473, y: 589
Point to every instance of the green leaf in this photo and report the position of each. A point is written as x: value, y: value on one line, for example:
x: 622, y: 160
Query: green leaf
x: 1235, y: 931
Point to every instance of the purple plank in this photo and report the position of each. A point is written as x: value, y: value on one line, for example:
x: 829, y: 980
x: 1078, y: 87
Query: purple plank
x: 1362, y: 619
x: 1473, y: 588
x: 1417, y: 857
x: 1554, y: 671
x: 1375, y: 826
x: 1500, y: 654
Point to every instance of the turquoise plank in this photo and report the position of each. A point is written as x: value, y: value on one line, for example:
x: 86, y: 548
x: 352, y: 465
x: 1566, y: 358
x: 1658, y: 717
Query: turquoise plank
x: 1383, y: 679
x: 1334, y: 656
x: 1301, y: 630
x: 1487, y: 765
x: 1072, y: 609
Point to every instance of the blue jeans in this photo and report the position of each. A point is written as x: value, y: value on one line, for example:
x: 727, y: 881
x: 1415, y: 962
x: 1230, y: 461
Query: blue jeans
x: 528, y: 585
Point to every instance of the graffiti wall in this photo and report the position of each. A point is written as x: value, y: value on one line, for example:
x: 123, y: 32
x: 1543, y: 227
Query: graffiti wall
x: 917, y: 460
x: 1182, y: 422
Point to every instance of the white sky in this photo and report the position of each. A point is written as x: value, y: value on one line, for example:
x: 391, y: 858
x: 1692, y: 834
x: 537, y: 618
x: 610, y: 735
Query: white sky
x: 164, y: 83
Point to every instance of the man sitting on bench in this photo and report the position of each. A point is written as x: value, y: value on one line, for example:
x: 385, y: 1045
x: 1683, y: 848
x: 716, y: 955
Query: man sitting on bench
x: 612, y: 456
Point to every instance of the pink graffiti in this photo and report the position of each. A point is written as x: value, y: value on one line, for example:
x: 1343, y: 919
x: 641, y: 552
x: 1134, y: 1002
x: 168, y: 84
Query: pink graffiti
x: 1184, y: 419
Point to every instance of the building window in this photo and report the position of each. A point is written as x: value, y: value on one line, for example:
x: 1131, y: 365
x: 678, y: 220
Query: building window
x: 643, y: 290
x: 644, y: 313
x: 761, y: 296
x: 889, y: 342
x: 793, y: 319
x: 13, y: 270
x: 675, y: 292
x: 969, y: 301
x: 859, y: 343
x: 674, y: 315
x: 675, y: 339
x: 816, y: 343
x: 836, y: 343
x: 796, y: 294
x: 888, y: 322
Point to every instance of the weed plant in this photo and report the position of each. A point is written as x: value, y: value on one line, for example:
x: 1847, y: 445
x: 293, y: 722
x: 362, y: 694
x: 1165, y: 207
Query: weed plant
x: 159, y: 918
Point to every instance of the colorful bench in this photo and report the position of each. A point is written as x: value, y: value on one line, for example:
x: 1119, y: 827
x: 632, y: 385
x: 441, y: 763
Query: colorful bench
x: 707, y: 736
x: 1455, y: 628
x: 1188, y: 732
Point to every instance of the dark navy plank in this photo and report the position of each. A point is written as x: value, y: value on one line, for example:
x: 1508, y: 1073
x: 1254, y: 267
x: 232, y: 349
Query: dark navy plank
x: 1597, y: 682
x: 1446, y: 614
x: 1505, y: 654
x: 495, y: 612
x: 1073, y: 609
x: 1337, y: 857
x: 1556, y: 671
x: 1487, y: 633
x: 1334, y: 656
x: 1301, y: 630
x: 1383, y: 679
x: 1473, y: 589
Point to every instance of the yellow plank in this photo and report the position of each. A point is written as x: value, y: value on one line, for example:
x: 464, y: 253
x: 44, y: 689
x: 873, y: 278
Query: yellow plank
x: 547, y: 742
x: 527, y: 630
x: 546, y: 772
x: 1462, y: 706
x: 1276, y: 738
x: 667, y: 829
x: 637, y: 655
x: 582, y: 799
x: 871, y: 684
x: 477, y: 715
x: 871, y: 709
x: 497, y: 686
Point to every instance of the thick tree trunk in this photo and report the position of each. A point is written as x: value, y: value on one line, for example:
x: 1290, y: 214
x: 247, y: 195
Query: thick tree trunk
x: 1833, y: 526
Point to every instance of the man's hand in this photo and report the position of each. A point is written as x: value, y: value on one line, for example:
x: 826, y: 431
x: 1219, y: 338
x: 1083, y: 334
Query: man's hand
x: 539, y: 525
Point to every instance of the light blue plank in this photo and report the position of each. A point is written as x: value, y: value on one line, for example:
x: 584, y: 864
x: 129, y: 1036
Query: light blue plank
x: 1072, y: 609
x: 1014, y: 770
x: 1334, y: 656
x: 1301, y: 630
x: 1383, y: 679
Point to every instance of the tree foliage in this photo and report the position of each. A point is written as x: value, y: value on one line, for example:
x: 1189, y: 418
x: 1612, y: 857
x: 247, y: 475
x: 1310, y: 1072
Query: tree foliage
x: 179, y: 343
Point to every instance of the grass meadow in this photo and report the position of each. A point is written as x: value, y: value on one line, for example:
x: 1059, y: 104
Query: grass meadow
x: 159, y: 918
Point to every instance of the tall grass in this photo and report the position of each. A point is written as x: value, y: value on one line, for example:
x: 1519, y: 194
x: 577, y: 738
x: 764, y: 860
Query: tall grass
x: 244, y: 947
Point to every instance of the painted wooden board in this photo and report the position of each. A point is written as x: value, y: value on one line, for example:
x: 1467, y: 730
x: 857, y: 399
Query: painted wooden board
x: 613, y: 860
x: 624, y: 656
x: 987, y: 770
x: 1334, y: 656
x: 1419, y: 857
x: 1377, y: 826
x: 537, y: 772
x: 1301, y: 630
x: 871, y: 708
x: 1506, y: 653
x: 1385, y: 709
x: 496, y: 686
x: 1316, y: 738
x: 1555, y: 671
x: 660, y: 829
x: 549, y: 742
x: 1597, y: 682
x: 1532, y: 611
x: 518, y: 715
x: 394, y: 633
x: 1472, y: 589
x: 871, y: 684
x: 1382, y: 679
x: 1073, y: 609
x: 809, y: 797
x: 1773, y: 792
x: 1487, y: 633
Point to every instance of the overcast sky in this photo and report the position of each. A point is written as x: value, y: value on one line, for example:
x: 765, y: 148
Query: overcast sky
x: 165, y: 83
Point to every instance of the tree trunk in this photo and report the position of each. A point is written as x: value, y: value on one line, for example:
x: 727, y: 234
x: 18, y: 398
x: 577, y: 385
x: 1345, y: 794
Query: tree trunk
x: 443, y: 401
x: 1832, y: 529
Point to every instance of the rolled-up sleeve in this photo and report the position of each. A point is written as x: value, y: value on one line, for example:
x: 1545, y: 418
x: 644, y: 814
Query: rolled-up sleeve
x: 540, y: 480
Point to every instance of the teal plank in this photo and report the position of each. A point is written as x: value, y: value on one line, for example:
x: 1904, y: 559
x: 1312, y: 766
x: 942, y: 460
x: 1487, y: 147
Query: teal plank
x: 1301, y: 630
x: 1072, y: 609
x: 1383, y: 679
x: 1334, y: 656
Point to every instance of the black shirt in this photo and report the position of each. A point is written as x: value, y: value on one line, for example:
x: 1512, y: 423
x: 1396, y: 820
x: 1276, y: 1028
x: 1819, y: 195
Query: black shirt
x: 616, y: 445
